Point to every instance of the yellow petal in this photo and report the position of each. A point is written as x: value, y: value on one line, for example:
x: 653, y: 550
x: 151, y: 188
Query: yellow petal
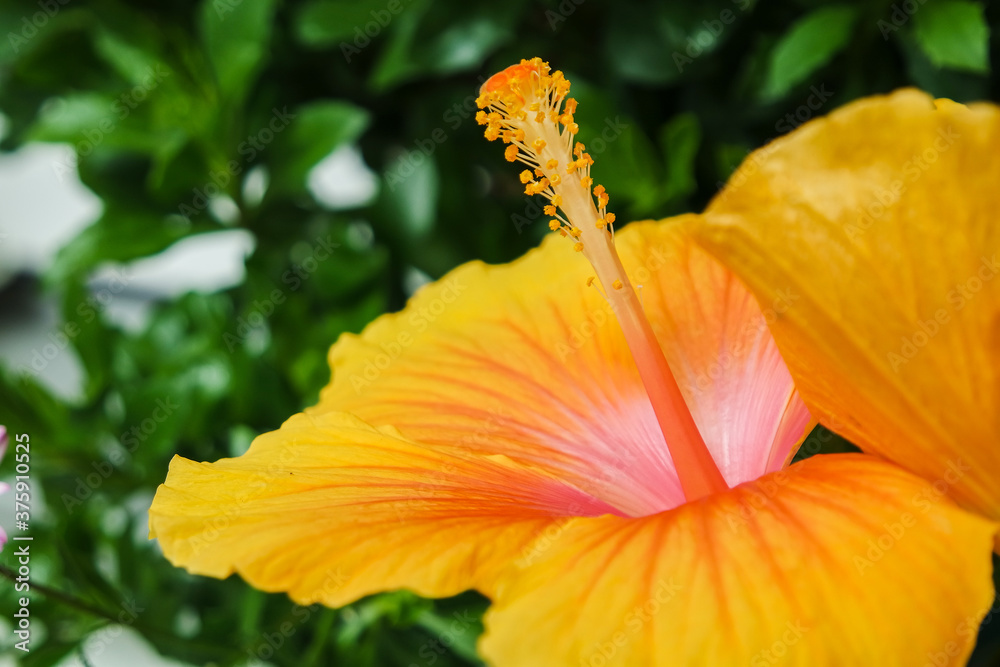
x: 880, y: 225
x: 330, y: 509
x: 840, y: 560
x: 527, y: 361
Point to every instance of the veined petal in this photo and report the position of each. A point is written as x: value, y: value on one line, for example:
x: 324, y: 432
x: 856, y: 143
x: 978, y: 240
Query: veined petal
x: 716, y: 339
x: 879, y: 226
x: 526, y: 361
x: 331, y: 509
x: 838, y: 560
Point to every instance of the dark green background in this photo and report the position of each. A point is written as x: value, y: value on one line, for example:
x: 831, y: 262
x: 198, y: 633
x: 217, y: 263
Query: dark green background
x: 682, y: 89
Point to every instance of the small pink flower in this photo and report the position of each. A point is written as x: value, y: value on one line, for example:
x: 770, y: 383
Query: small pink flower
x: 3, y: 487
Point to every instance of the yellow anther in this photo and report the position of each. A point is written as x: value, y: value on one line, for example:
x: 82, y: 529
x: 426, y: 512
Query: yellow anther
x: 617, y: 284
x: 578, y: 247
x: 601, y: 223
x: 532, y: 90
x: 602, y: 201
x: 599, y: 190
x: 610, y: 217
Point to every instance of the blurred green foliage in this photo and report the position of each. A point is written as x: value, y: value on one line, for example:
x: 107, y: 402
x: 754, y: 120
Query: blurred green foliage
x: 169, y: 103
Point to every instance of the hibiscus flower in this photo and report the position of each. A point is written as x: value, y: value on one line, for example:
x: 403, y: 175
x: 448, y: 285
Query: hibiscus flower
x: 611, y: 469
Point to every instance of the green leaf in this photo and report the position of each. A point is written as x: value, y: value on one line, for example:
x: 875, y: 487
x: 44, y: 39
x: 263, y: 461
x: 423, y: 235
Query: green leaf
x: 809, y: 45
x: 410, y: 196
x: 441, y: 40
x: 625, y: 158
x: 237, y: 36
x: 679, y: 140
x: 464, y: 45
x: 316, y: 129
x: 120, y: 235
x: 133, y: 62
x: 954, y: 33
x: 327, y: 22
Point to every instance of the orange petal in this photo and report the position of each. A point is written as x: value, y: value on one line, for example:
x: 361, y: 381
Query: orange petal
x: 330, y: 509
x: 839, y: 560
x: 879, y: 224
x: 526, y: 361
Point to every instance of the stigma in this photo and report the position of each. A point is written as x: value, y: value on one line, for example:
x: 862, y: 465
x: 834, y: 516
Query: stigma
x: 527, y: 106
